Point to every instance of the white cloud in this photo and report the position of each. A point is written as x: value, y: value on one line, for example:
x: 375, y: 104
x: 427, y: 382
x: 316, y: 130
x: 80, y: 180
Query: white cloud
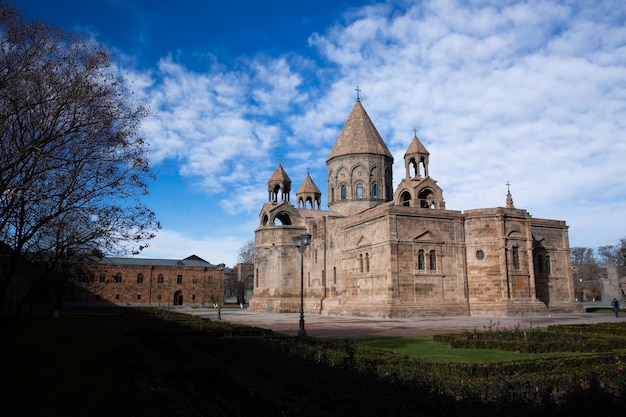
x: 530, y: 92
x: 170, y: 244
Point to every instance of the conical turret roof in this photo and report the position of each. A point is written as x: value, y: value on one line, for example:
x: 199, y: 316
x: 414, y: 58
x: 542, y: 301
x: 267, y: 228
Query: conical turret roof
x: 416, y: 146
x: 308, y: 186
x: 359, y: 136
x: 279, y: 175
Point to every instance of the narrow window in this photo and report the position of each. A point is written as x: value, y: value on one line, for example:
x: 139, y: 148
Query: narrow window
x: 375, y: 190
x: 367, y: 262
x: 361, y: 262
x: 140, y: 278
x: 179, y: 279
x: 516, y: 258
x: 420, y: 260
x: 102, y: 278
x: 548, y: 269
x: 160, y: 279
x: 433, y: 261
x: 359, y: 191
x: 344, y: 192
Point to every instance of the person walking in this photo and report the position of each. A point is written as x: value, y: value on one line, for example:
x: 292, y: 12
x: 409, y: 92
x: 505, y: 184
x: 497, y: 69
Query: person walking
x: 615, y: 305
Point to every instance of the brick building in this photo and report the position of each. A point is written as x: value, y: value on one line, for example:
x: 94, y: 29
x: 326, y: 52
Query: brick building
x: 158, y: 282
x: 395, y: 253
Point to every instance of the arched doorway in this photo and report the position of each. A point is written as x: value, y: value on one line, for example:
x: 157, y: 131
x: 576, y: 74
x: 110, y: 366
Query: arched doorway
x: 178, y: 298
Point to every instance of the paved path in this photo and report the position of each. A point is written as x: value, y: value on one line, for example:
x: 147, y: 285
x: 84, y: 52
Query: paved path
x: 349, y: 327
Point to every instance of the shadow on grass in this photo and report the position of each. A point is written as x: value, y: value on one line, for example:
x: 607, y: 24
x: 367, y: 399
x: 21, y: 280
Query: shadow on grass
x: 150, y: 362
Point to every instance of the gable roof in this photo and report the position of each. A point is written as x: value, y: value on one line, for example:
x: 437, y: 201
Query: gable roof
x: 187, y: 262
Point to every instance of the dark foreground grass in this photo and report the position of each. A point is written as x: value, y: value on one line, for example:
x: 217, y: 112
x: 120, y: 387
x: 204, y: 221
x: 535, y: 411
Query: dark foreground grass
x: 70, y: 366
x: 132, y: 362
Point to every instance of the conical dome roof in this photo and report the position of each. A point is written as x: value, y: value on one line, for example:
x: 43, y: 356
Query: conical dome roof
x: 416, y: 147
x: 359, y: 136
x: 279, y: 175
x: 308, y: 186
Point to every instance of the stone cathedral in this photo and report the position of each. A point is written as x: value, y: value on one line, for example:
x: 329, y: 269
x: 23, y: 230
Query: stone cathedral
x: 382, y: 252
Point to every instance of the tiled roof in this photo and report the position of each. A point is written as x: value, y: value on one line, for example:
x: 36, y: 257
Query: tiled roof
x: 416, y: 147
x: 279, y: 175
x: 155, y: 262
x: 308, y: 186
x: 359, y: 136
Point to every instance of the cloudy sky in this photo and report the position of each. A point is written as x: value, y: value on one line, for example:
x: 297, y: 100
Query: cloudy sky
x: 527, y: 92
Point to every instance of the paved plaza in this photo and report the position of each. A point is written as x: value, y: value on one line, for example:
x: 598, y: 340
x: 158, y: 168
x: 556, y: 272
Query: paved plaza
x: 350, y: 327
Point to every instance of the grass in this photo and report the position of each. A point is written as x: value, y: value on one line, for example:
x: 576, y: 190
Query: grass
x: 128, y: 362
x: 426, y: 348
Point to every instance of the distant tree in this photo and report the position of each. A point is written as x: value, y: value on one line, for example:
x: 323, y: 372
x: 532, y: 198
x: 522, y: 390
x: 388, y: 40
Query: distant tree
x: 73, y: 169
x: 613, y: 253
x: 246, y: 253
x: 587, y: 272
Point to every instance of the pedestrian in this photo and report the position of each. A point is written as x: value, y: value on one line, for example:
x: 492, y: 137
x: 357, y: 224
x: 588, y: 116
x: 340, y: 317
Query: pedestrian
x: 615, y: 305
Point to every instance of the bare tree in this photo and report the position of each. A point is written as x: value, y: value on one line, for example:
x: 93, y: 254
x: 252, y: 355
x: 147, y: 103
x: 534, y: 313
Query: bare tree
x: 587, y: 272
x: 246, y: 253
x: 614, y: 254
x: 73, y: 169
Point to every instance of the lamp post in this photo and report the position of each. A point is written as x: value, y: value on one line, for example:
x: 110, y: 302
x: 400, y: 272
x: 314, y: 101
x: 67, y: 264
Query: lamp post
x: 301, y: 242
x: 220, y: 268
x: 169, y: 294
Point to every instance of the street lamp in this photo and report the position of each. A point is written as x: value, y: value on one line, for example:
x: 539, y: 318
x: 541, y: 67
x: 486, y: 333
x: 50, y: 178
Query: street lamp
x: 169, y: 294
x: 220, y: 268
x: 301, y: 242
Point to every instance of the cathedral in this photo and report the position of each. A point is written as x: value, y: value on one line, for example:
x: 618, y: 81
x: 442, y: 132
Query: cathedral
x: 381, y: 252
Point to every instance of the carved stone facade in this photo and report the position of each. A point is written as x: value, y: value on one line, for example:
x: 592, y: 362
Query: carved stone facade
x: 385, y: 253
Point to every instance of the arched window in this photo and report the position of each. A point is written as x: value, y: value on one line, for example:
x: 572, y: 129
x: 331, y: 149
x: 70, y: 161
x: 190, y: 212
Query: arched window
x: 118, y: 277
x: 405, y: 198
x: 359, y: 190
x: 140, y: 278
x: 420, y: 260
x: 361, y: 262
x: 367, y: 262
x: 344, y: 192
x: 375, y: 190
x: 516, y: 258
x: 433, y: 261
x: 160, y: 279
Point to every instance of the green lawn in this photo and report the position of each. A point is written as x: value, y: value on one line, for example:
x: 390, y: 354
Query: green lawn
x: 130, y: 362
x: 425, y: 347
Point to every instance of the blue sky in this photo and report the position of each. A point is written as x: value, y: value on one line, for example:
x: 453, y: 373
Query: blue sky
x: 531, y: 92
